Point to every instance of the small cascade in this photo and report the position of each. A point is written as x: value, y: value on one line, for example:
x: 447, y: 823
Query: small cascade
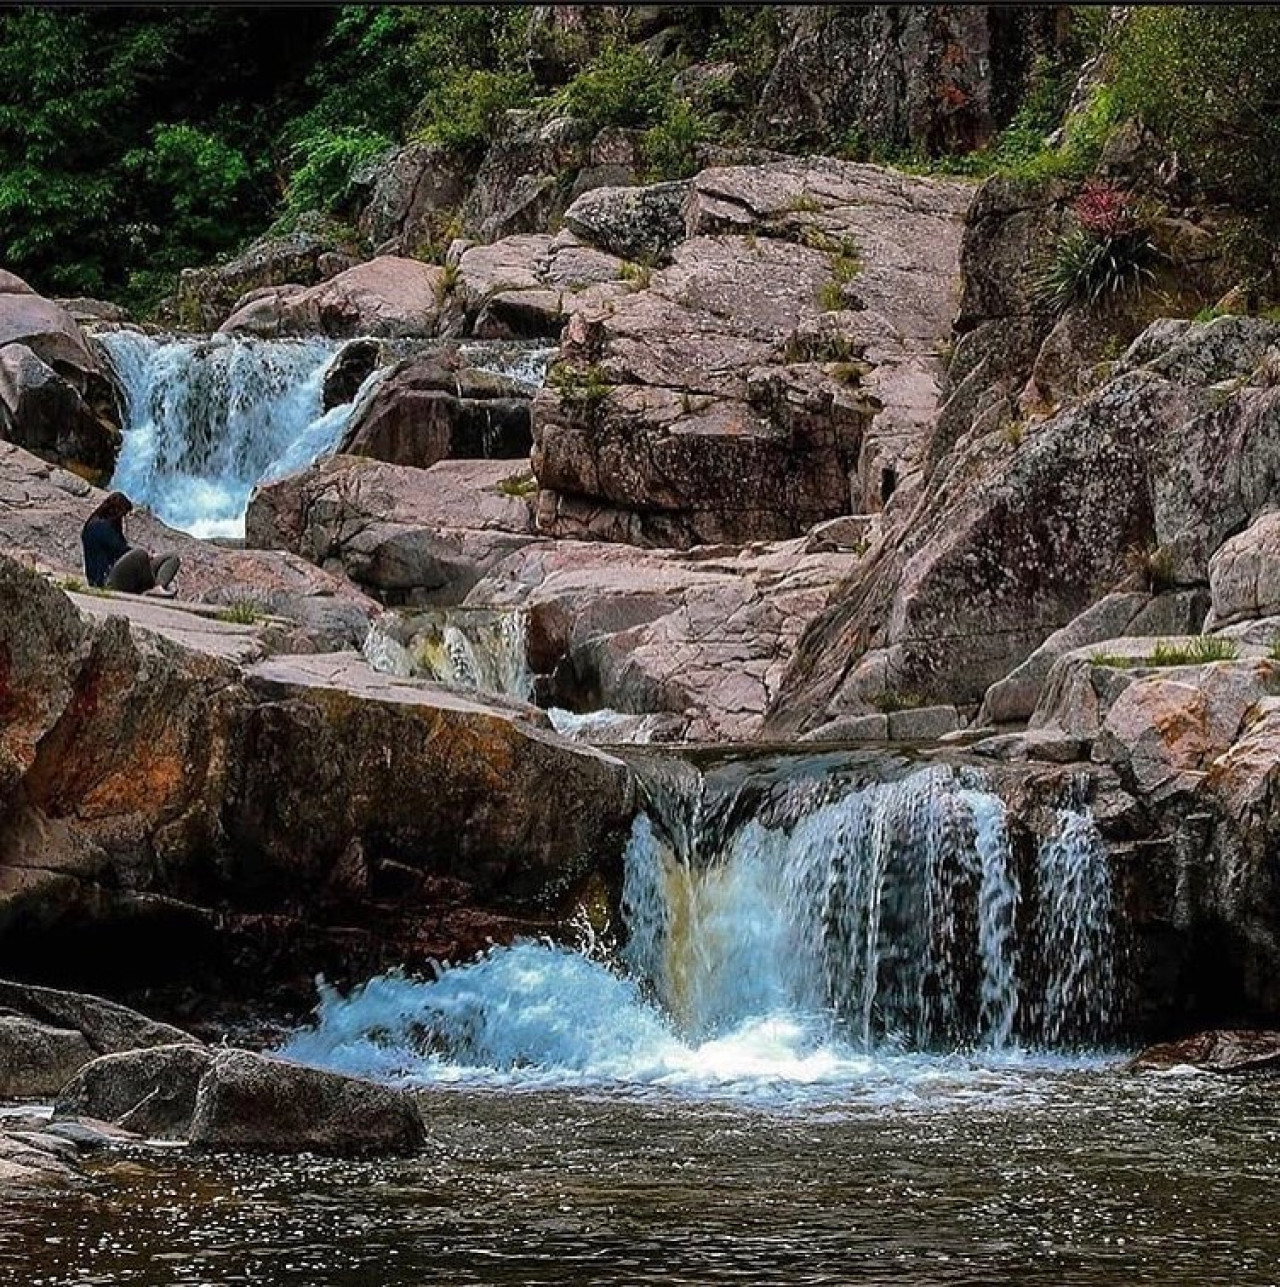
x: 1075, y: 930
x: 525, y: 362
x: 481, y: 649
x: 206, y: 419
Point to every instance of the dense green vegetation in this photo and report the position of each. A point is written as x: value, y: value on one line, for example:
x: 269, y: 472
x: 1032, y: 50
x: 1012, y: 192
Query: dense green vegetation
x: 135, y: 142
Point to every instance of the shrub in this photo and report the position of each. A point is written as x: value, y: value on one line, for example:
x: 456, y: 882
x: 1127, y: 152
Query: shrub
x: 461, y: 113
x: 325, y: 165
x: 622, y: 86
x: 671, y: 146
x: 1108, y: 253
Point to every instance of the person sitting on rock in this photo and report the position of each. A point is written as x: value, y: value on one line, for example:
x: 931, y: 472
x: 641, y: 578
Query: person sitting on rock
x: 110, y: 562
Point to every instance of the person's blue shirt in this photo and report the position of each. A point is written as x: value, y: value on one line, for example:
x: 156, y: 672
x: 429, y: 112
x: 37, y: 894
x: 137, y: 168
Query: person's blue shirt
x: 104, y: 543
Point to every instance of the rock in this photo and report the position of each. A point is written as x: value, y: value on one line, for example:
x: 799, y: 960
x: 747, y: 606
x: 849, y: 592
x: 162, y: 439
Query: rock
x: 252, y: 1102
x: 147, y: 1092
x: 700, y: 636
x: 415, y: 192
x: 304, y: 257
x: 35, y: 1059
x: 42, y: 510
x: 926, y: 79
x: 1243, y: 578
x: 424, y: 411
x: 1152, y: 461
x: 104, y: 1025
x: 274, y: 818
x: 353, y: 365
x: 1232, y: 1051
x: 1135, y: 613
x: 407, y: 535
x: 236, y: 1100
x: 85, y: 311
x: 858, y: 728
x: 55, y: 397
x: 923, y: 724
x: 722, y: 399
x: 524, y: 182
x: 25, y: 1163
x: 633, y: 223
x: 387, y: 297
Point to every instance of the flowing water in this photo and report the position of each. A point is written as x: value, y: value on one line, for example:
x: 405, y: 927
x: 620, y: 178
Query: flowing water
x: 207, y: 418
x: 848, y: 1032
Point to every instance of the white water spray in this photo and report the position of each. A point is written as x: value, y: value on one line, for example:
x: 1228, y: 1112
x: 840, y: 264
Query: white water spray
x: 206, y: 419
x: 822, y: 938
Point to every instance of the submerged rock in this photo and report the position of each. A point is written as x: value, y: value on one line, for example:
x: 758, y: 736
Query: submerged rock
x: 1231, y: 1051
x: 234, y: 1100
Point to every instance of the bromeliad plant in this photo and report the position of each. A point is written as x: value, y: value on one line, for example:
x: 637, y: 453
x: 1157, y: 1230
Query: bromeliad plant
x: 1108, y: 252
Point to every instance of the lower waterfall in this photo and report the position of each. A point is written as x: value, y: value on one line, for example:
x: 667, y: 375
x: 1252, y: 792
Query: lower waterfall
x: 813, y: 942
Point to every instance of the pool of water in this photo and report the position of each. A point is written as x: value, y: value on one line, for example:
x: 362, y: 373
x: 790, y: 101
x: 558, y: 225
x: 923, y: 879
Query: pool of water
x: 1035, y: 1175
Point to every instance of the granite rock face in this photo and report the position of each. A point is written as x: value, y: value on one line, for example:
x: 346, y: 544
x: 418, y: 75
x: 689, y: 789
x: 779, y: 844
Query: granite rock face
x: 158, y: 787
x: 56, y: 398
x: 780, y: 370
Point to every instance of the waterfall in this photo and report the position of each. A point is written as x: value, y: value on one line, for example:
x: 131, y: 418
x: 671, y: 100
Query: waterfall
x: 808, y: 931
x: 482, y: 649
x: 206, y: 419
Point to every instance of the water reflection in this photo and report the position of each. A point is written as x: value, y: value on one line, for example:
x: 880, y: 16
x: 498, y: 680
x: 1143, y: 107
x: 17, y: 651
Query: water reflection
x: 1079, y: 1178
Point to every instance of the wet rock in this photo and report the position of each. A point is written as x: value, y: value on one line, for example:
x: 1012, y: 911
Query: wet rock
x: 55, y: 397
x: 35, y: 1059
x: 32, y: 1160
x: 304, y: 257
x: 387, y: 297
x: 924, y: 724
x: 252, y: 1102
x: 408, y: 535
x: 146, y: 1092
x: 353, y: 365
x: 104, y: 1025
x: 426, y: 410
x: 1231, y: 1051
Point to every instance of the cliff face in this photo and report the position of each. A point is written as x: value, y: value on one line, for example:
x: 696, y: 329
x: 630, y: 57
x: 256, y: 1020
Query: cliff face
x: 928, y: 78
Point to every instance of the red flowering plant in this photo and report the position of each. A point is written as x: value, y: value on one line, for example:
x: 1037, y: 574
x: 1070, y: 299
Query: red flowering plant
x: 1107, y: 252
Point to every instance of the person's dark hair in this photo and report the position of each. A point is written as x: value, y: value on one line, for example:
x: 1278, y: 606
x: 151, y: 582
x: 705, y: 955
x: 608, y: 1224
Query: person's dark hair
x: 116, y: 506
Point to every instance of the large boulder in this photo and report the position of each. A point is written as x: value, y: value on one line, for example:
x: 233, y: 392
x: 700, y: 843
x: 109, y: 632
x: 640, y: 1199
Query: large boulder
x: 47, y: 1035
x: 251, y: 1101
x: 389, y: 297
x: 235, y: 1100
x: 150, y: 1092
x: 55, y: 397
x: 163, y: 798
x: 634, y: 223
x: 780, y: 371
x: 304, y: 257
x: 404, y: 534
x: 428, y: 408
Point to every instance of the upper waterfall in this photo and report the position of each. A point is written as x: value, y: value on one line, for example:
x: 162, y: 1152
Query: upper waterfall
x: 206, y: 419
